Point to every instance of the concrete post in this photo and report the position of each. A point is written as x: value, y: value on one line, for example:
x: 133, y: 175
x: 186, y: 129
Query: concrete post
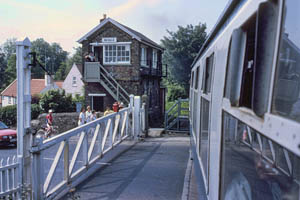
x: 37, y: 170
x: 23, y: 115
x: 136, y: 117
x: 145, y: 100
x: 131, y: 110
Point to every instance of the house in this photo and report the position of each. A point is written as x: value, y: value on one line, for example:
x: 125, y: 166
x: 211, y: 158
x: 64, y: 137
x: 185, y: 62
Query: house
x: 0, y: 101
x: 38, y: 86
x: 126, y: 62
x: 73, y: 83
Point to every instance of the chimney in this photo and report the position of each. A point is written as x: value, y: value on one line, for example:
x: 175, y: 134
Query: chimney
x: 48, y: 80
x: 104, y: 17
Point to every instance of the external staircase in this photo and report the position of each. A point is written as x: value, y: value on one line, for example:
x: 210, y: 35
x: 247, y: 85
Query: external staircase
x: 95, y: 72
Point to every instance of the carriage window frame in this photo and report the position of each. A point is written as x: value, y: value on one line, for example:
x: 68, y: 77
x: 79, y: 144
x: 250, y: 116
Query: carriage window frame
x: 197, y: 77
x: 207, y: 74
x: 205, y: 95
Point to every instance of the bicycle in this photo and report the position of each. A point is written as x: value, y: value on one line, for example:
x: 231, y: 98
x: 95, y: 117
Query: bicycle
x: 47, y: 134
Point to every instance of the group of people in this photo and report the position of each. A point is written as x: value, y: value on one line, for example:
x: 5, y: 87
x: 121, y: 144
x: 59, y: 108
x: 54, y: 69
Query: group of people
x: 86, y: 116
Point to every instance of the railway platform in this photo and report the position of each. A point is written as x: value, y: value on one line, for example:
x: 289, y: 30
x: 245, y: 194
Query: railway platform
x: 151, y: 169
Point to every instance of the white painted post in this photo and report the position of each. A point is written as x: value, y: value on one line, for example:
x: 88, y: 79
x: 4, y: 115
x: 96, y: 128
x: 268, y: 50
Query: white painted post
x: 143, y: 118
x: 131, y: 111
x: 136, y: 116
x: 23, y: 113
x: 37, y: 170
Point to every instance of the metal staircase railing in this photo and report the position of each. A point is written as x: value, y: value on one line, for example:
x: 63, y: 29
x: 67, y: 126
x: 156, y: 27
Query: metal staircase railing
x: 112, y: 86
x: 177, y: 117
x: 95, y: 72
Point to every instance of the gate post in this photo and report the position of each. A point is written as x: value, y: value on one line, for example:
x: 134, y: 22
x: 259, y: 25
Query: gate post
x: 136, y: 117
x: 23, y: 117
x: 131, y: 110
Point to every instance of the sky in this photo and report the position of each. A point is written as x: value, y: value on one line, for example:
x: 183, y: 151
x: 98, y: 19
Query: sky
x: 65, y: 21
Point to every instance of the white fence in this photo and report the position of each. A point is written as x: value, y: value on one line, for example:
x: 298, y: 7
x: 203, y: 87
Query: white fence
x: 8, y: 178
x: 64, y: 161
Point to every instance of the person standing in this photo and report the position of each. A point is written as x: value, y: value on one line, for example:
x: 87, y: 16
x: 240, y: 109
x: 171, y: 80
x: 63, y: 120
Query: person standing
x: 94, y: 116
x: 88, y: 114
x: 81, y: 119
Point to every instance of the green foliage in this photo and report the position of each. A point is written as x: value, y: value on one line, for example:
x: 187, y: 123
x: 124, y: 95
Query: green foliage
x: 65, y: 67
x: 50, y: 55
x: 9, y: 47
x: 61, y: 72
x: 175, y: 92
x: 11, y: 70
x: 2, y: 71
x: 182, y: 47
x: 35, y: 111
x: 58, y: 101
x: 8, y: 115
x: 76, y: 58
x: 35, y: 99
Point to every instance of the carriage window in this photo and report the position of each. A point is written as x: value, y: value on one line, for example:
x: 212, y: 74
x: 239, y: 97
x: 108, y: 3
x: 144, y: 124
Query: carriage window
x: 247, y: 80
x: 192, y: 80
x: 248, y: 169
x: 204, y: 135
x: 286, y: 98
x: 207, y: 78
x: 197, y: 78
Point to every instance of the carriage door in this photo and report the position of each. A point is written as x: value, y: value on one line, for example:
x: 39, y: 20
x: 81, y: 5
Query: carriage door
x: 205, y: 115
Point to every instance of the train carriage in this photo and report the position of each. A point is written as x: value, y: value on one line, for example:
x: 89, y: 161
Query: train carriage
x: 245, y: 103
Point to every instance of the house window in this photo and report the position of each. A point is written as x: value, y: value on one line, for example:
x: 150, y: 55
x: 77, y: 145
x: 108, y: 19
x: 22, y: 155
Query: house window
x: 74, y: 82
x: 154, y: 58
x: 116, y: 54
x: 144, y: 57
x: 9, y: 100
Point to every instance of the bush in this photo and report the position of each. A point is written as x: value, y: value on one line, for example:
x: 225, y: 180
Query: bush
x: 8, y: 115
x: 35, y: 111
x: 175, y: 92
x: 35, y: 99
x: 58, y: 101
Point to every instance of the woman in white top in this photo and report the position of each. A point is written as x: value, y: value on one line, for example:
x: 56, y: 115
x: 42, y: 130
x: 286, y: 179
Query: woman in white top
x: 81, y: 119
x: 88, y: 114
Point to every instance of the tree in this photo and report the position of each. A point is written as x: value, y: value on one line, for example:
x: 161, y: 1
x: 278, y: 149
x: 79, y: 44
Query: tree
x: 9, y: 47
x: 58, y: 101
x: 11, y: 70
x: 49, y: 55
x: 182, y: 47
x: 2, y: 70
x: 65, y: 67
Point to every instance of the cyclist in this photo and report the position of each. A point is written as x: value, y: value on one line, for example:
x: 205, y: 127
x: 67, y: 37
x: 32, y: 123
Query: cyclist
x: 49, y: 121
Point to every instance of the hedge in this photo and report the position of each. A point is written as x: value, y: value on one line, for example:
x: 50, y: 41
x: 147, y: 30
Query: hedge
x: 8, y: 114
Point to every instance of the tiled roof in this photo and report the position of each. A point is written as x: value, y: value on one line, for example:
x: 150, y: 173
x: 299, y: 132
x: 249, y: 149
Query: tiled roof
x: 37, y: 85
x: 59, y: 83
x: 137, y: 35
